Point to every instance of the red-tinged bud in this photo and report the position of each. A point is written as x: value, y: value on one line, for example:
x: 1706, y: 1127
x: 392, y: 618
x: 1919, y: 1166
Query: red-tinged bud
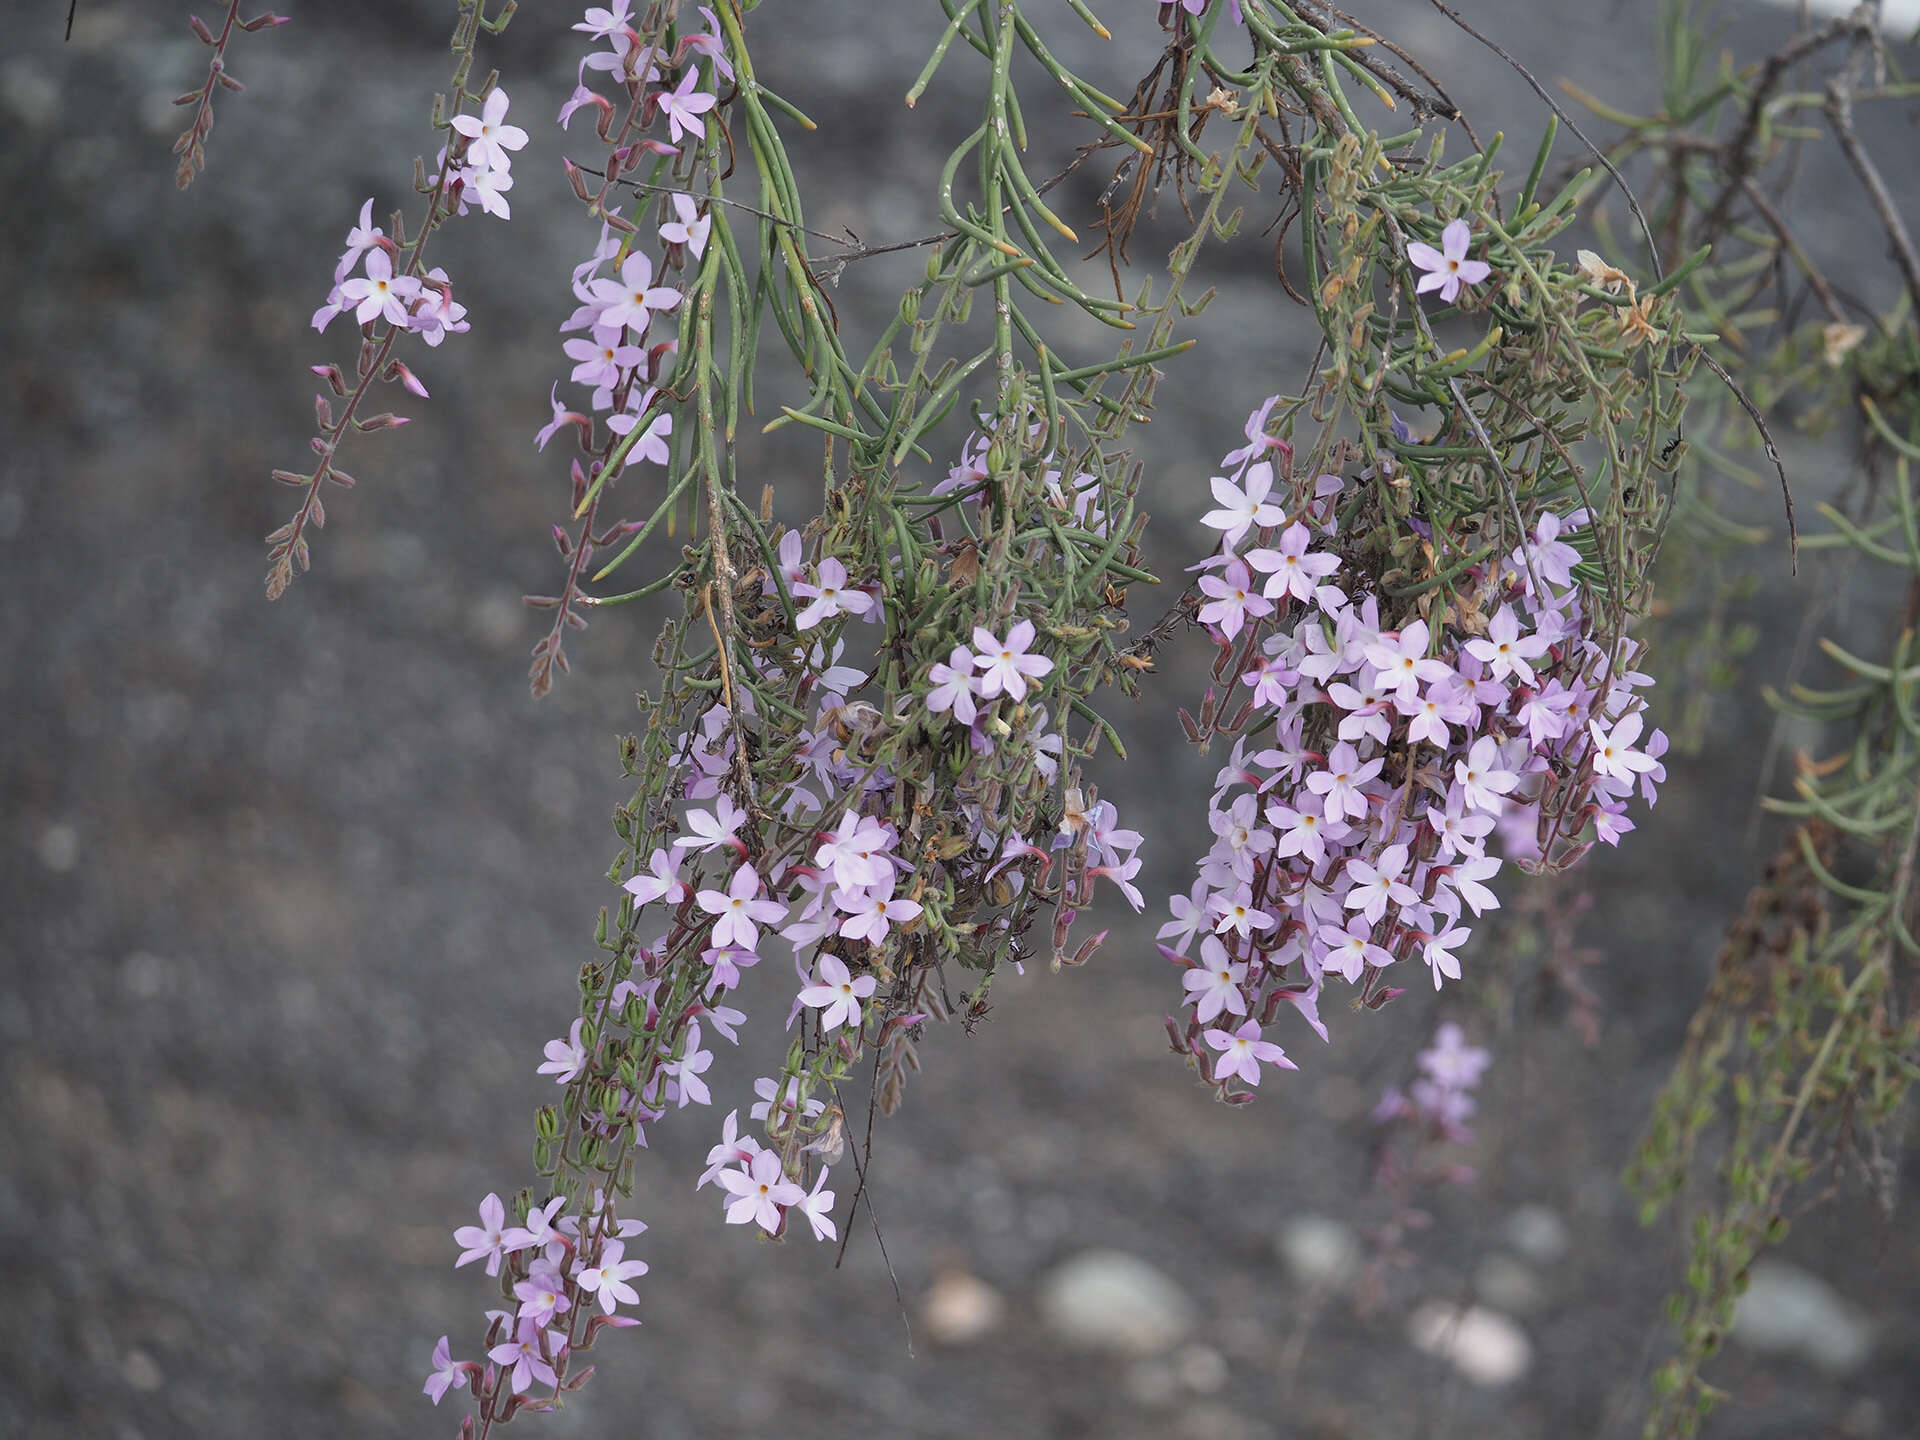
x: 574, y: 1382
x: 192, y: 97
x: 323, y: 412
x: 1382, y: 997
x: 1237, y: 1097
x: 466, y: 1427
x: 579, y: 184
x: 1186, y: 723
x: 1177, y: 1038
x: 319, y: 446
x: 261, y: 22
x: 287, y: 477
x: 563, y: 541
x: 200, y: 29
x: 1085, y: 952
x: 317, y: 513
x: 398, y: 371
x: 387, y: 421
x: 342, y: 479
x: 331, y: 374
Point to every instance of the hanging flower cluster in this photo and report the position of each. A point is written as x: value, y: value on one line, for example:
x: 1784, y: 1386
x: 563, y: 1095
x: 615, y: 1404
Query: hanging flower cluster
x: 1383, y: 749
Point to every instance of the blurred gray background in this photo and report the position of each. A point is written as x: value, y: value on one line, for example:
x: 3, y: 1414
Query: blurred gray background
x: 291, y: 895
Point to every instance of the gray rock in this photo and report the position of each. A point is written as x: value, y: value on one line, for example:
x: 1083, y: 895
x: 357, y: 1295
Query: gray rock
x: 1485, y: 1346
x: 1113, y: 1301
x: 1787, y: 1311
x: 1320, y: 1253
x: 1538, y: 1233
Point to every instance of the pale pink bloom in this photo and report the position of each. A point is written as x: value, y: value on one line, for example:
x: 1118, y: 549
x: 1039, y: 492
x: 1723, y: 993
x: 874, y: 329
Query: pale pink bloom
x: 632, y: 299
x: 1452, y: 1062
x: 603, y: 23
x: 1189, y: 917
x: 523, y: 1353
x: 872, y: 910
x: 486, y: 187
x: 1506, y: 650
x: 685, y: 104
x: 487, y: 1240
x: 1237, y: 913
x: 382, y: 293
x: 953, y: 686
x: 1214, y: 984
x: 733, y: 1149
x: 1340, y: 782
x: 1232, y: 600
x: 1006, y: 667
x: 740, y: 909
x: 608, y: 1277
x: 1242, y: 1051
x: 1438, y: 950
x: 690, y: 228
x: 1375, y: 886
x: 715, y: 828
x: 832, y: 597
x: 1400, y: 661
x: 1448, y: 268
x: 1351, y: 950
x: 818, y: 1208
x: 543, y: 1294
x: 837, y: 994
x: 1291, y: 569
x: 1480, y: 780
x: 489, y: 137
x: 361, y: 238
x: 1243, y: 509
x: 565, y: 1058
x: 661, y: 882
x: 759, y: 1192
x: 1613, y: 754
x: 855, y: 851
x: 447, y: 1372
x: 710, y: 44
x: 786, y: 1099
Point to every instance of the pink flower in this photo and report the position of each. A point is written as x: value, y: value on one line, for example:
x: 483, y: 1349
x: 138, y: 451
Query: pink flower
x: 565, y: 1058
x: 1613, y: 754
x: 1351, y: 950
x: 1448, y: 268
x: 1242, y: 1051
x: 953, y: 686
x: 1505, y: 650
x: 1243, y: 510
x: 1340, y: 782
x: 381, y: 293
x: 661, y: 882
x: 831, y: 597
x: 1005, y: 668
x: 1232, y: 600
x: 685, y: 104
x: 837, y: 994
x: 855, y: 851
x: 608, y: 1277
x: 1479, y: 779
x: 447, y: 1372
x: 1290, y: 570
x: 488, y: 1239
x: 759, y: 1192
x: 361, y: 238
x: 733, y: 1149
x: 489, y: 137
x: 689, y: 228
x: 543, y: 1294
x: 632, y: 299
x: 523, y: 1353
x: 1375, y: 886
x: 818, y: 1208
x: 1237, y: 913
x: 1214, y: 984
x: 716, y: 828
x: 740, y: 909
x: 872, y: 911
x: 1400, y: 662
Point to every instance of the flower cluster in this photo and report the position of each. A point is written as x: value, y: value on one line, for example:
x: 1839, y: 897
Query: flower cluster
x: 1441, y: 1100
x: 558, y: 1267
x: 1393, y: 750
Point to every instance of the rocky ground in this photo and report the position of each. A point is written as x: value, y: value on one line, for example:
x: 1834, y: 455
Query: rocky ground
x: 292, y: 895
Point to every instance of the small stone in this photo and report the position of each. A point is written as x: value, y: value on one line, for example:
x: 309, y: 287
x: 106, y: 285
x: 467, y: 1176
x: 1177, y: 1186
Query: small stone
x: 1787, y: 1311
x: 58, y: 847
x: 1483, y: 1345
x: 1109, y: 1300
x: 1537, y: 1233
x: 961, y: 1308
x: 1509, y: 1284
x: 142, y: 1372
x: 1201, y: 1368
x: 1153, y: 1383
x: 1318, y: 1252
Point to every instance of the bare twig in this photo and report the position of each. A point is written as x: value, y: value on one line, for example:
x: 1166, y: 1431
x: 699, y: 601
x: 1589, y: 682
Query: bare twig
x: 1839, y: 108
